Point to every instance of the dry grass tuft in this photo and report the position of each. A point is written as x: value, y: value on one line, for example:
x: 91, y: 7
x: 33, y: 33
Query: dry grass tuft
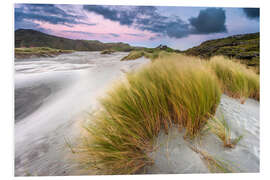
x: 237, y: 81
x: 134, y: 111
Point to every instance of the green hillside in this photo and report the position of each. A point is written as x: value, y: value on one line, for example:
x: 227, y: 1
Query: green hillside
x: 245, y: 47
x: 32, y: 38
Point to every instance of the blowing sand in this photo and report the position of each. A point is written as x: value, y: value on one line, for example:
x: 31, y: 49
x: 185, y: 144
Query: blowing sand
x: 52, y: 95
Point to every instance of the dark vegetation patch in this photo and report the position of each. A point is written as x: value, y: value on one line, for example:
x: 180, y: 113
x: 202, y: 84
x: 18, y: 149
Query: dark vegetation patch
x: 32, y: 38
x: 245, y: 47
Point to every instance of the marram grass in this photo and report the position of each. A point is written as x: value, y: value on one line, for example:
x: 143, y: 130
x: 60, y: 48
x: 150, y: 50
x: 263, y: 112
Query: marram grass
x: 236, y: 80
x: 133, y: 112
x: 173, y: 89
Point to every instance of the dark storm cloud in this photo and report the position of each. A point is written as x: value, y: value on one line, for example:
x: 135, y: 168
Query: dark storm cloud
x: 210, y: 20
x: 252, y: 13
x: 45, y: 13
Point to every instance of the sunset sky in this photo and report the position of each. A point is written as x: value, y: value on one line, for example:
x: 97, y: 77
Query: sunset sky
x: 177, y: 27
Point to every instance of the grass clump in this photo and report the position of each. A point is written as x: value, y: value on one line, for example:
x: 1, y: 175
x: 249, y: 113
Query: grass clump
x: 221, y: 129
x: 133, y: 55
x: 134, y: 111
x: 107, y: 51
x: 39, y: 52
x: 236, y: 80
x: 151, y: 54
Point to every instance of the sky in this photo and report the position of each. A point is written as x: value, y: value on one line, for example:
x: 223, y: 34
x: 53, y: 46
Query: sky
x: 177, y: 27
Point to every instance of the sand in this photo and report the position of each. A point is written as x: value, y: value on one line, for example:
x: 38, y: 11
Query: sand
x: 174, y: 155
x: 53, y: 95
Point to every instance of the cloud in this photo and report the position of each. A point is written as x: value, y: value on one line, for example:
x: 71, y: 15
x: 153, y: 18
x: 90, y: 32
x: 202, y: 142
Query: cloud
x: 80, y: 32
x: 252, y: 13
x: 114, y: 34
x: 210, y: 20
x: 92, y: 34
x: 136, y: 35
x: 46, y: 13
x: 147, y: 18
x: 155, y: 37
x: 124, y: 17
x: 143, y: 18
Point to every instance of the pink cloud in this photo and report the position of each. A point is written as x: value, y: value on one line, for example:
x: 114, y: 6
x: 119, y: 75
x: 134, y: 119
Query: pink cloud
x: 100, y: 31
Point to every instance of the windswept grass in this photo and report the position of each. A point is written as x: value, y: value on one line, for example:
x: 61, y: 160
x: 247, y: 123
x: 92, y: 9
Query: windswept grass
x: 134, y: 111
x: 172, y: 90
x: 237, y: 81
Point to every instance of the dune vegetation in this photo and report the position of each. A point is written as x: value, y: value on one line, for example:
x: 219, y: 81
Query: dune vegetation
x: 236, y: 80
x: 172, y: 90
x: 133, y: 55
x: 107, y: 51
x: 220, y: 128
x: 244, y: 47
x: 150, y: 53
x: 39, y: 52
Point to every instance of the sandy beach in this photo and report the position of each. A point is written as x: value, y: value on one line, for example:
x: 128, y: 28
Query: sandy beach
x: 52, y: 95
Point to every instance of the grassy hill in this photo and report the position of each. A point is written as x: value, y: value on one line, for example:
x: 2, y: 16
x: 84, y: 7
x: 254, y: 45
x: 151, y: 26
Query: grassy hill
x: 32, y: 38
x: 245, y: 47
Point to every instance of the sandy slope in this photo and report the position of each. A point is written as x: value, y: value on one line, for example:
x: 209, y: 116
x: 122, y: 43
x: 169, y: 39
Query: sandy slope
x: 174, y: 155
x: 51, y: 96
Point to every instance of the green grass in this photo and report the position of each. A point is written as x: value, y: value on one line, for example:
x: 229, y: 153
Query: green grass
x: 173, y: 89
x: 245, y: 48
x: 236, y: 80
x: 107, y: 51
x: 133, y: 55
x: 38, y: 51
x: 134, y: 111
x: 151, y: 54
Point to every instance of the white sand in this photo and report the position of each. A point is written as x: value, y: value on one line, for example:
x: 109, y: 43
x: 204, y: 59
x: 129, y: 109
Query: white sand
x: 75, y: 81
x: 173, y: 154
